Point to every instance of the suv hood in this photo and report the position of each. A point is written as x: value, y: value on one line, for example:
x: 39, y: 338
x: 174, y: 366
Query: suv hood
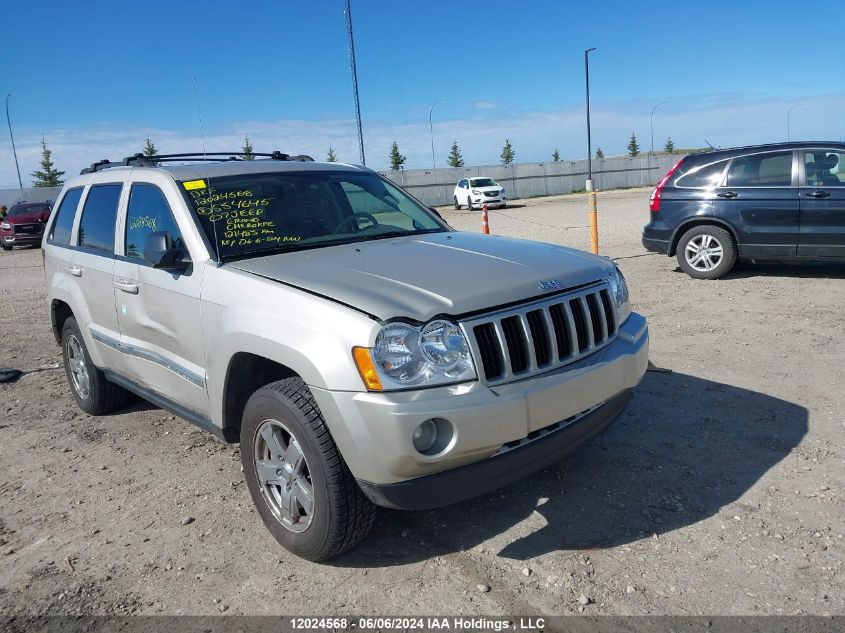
x: 28, y: 218
x: 422, y: 276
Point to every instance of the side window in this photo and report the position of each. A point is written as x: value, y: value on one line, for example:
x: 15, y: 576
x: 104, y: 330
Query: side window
x: 705, y: 176
x: 824, y: 168
x: 65, y: 214
x: 96, y: 229
x: 148, y: 211
x: 463, y: 184
x: 773, y: 169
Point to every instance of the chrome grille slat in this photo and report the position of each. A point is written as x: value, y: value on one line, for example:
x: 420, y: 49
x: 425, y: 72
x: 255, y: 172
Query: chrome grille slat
x: 506, y: 349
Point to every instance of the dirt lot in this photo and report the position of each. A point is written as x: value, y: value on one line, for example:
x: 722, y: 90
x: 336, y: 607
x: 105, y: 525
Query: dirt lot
x: 720, y: 491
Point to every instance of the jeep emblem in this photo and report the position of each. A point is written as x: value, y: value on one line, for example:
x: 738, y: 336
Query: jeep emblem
x: 551, y: 284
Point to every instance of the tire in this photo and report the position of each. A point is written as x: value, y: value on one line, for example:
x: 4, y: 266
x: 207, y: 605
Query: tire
x: 469, y: 203
x: 284, y: 415
x: 457, y: 206
x: 717, y: 246
x: 93, y: 393
x: 6, y: 247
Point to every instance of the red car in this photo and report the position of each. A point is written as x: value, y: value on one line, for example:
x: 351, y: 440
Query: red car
x: 24, y: 224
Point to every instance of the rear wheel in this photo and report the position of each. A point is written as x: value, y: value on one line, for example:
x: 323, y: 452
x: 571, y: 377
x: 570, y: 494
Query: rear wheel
x: 706, y: 252
x: 298, y: 480
x: 93, y: 393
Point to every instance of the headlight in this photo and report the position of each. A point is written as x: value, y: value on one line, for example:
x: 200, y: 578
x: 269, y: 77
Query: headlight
x: 476, y: 193
x: 5, y: 226
x: 619, y: 293
x: 408, y: 356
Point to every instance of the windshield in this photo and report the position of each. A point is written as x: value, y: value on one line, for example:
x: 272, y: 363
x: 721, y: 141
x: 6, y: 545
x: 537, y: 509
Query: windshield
x: 483, y: 182
x: 28, y: 209
x: 254, y: 214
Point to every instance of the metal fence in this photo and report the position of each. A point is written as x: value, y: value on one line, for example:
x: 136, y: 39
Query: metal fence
x: 9, y: 197
x: 526, y: 180
x: 521, y: 180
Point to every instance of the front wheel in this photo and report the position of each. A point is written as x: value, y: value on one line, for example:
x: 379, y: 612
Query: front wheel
x: 457, y: 206
x: 706, y: 252
x: 6, y: 247
x: 298, y: 480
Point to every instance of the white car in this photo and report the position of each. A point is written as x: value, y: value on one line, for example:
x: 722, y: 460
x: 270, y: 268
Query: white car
x: 471, y: 192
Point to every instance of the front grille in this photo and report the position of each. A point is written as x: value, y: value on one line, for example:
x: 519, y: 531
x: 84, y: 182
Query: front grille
x: 491, y: 194
x: 26, y: 228
x: 542, y: 335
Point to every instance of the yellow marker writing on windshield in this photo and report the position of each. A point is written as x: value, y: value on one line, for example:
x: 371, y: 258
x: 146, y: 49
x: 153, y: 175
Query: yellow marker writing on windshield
x: 194, y: 184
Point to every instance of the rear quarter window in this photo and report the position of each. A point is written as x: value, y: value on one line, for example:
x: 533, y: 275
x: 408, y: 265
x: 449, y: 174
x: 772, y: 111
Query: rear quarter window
x: 703, y: 176
x: 65, y: 214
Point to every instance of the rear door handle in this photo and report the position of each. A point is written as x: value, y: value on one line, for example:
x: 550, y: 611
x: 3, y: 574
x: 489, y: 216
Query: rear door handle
x: 76, y: 271
x: 818, y: 194
x: 727, y: 194
x: 126, y: 285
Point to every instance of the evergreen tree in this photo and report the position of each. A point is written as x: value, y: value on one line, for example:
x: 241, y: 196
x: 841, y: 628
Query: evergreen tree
x: 48, y: 175
x: 507, y: 154
x: 669, y: 148
x: 149, y: 148
x: 332, y: 157
x: 396, y: 159
x: 246, y: 150
x: 599, y: 153
x: 633, y: 146
x: 455, y: 158
x: 555, y: 155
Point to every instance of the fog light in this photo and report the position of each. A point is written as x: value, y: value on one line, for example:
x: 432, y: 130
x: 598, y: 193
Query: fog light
x: 425, y: 436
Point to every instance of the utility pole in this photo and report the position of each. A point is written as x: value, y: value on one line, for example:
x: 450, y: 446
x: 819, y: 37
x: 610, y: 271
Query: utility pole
x: 11, y: 136
x: 354, y: 69
x: 591, y: 190
x: 589, y: 142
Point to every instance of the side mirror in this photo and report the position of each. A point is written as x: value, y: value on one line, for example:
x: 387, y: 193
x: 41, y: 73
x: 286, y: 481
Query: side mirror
x: 161, y: 252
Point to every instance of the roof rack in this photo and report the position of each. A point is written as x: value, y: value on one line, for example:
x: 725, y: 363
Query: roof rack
x: 141, y: 160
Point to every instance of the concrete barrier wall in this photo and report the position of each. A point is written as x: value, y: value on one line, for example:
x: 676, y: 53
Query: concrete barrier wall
x: 526, y: 180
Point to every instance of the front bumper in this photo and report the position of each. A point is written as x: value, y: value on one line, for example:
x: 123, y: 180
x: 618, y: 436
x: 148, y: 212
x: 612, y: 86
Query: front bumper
x: 472, y: 480
x: 22, y: 239
x: 374, y: 431
x: 490, y: 202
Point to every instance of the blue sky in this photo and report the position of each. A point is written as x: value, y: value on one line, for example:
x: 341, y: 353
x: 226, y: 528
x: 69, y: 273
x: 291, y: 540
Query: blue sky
x: 94, y: 79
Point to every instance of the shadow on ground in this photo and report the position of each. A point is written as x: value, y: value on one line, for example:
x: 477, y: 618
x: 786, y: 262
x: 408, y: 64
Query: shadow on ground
x: 684, y: 448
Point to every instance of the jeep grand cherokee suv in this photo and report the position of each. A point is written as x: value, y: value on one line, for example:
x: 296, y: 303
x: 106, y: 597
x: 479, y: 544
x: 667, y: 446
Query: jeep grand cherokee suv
x: 360, y: 350
x: 784, y: 201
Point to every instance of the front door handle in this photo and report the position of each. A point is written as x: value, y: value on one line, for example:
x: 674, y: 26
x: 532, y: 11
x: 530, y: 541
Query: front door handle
x: 818, y: 194
x: 76, y: 271
x: 727, y: 194
x: 126, y: 286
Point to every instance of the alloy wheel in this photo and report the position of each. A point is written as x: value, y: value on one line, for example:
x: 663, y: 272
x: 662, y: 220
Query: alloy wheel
x: 283, y: 475
x: 703, y: 252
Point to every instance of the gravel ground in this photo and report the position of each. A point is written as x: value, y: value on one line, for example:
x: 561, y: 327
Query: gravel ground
x: 720, y: 490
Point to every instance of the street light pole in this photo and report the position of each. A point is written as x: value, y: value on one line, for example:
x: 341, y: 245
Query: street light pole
x: 431, y: 129
x: 652, y: 124
x: 788, y: 112
x: 589, y: 140
x: 11, y: 136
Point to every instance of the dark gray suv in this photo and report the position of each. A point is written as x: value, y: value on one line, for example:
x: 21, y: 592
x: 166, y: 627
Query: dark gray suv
x: 781, y: 201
